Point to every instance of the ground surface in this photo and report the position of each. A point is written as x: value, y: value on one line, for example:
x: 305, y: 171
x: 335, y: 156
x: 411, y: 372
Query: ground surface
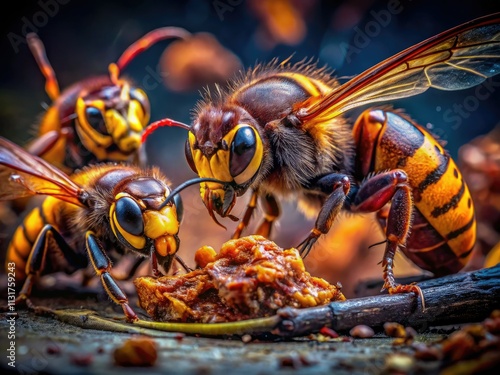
x: 45, y: 345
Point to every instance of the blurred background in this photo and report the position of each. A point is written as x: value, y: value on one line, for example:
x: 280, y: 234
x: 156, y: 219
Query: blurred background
x: 83, y: 37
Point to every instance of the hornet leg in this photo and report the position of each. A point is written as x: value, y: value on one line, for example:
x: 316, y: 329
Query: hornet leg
x: 271, y: 213
x: 252, y: 204
x: 38, y: 254
x: 337, y: 185
x: 102, y: 266
x: 46, y: 142
x: 372, y: 196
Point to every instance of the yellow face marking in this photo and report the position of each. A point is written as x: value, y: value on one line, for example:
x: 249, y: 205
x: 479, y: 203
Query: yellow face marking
x: 216, y: 190
x: 218, y: 165
x: 93, y: 141
x: 166, y: 245
x: 119, y: 129
x: 125, y: 132
x: 116, y: 124
x: 160, y: 223
x: 137, y: 119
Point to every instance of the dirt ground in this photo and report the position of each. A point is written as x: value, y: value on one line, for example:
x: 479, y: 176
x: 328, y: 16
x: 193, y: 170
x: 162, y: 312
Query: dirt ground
x: 45, y: 345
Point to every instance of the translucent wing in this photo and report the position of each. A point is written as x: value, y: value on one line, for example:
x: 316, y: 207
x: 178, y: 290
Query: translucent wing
x: 22, y: 174
x: 459, y: 58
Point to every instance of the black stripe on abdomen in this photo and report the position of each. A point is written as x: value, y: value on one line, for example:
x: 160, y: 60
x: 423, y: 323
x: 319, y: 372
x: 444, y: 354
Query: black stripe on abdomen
x: 459, y: 231
x: 437, y: 173
x: 438, y: 211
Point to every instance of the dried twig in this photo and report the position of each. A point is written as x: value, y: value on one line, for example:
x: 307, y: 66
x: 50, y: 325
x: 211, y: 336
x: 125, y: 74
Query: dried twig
x: 456, y: 299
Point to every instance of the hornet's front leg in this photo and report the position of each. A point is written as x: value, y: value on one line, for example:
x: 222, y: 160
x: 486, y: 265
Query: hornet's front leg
x: 44, y: 143
x: 373, y: 194
x: 271, y: 210
x: 337, y: 185
x: 102, y: 266
x: 252, y: 204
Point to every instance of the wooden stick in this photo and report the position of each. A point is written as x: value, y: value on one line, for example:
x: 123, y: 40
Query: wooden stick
x: 456, y: 299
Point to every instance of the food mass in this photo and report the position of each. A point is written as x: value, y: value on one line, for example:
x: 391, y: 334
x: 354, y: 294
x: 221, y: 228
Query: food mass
x: 251, y: 277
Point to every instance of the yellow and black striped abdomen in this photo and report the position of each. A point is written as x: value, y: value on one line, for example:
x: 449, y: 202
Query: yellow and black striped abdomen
x: 27, y: 232
x: 443, y: 232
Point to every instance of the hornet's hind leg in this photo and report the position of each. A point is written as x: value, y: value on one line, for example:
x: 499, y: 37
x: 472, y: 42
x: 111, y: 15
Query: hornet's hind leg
x: 36, y: 260
x: 373, y: 194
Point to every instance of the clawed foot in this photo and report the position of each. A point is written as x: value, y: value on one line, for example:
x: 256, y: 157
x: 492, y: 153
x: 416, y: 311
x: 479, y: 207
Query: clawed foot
x: 411, y: 288
x: 306, y: 245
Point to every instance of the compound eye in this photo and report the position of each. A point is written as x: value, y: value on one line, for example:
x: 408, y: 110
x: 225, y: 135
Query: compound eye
x: 129, y: 216
x: 189, y: 157
x: 96, y: 120
x: 242, y: 150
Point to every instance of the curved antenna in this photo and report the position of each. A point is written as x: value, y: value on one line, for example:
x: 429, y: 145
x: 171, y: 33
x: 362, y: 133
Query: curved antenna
x: 38, y: 50
x: 143, y: 44
x: 188, y: 183
x: 161, y: 123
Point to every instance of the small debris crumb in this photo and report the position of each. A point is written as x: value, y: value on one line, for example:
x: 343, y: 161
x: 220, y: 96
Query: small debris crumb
x: 82, y: 360
x: 326, y: 331
x: 362, y: 331
x: 246, y: 338
x: 136, y: 351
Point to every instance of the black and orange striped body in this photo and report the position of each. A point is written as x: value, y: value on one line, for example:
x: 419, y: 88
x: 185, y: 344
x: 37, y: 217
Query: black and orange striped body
x: 50, y: 211
x: 111, y: 132
x: 443, y: 228
x: 280, y: 132
x: 297, y: 159
x: 99, y: 118
x: 102, y: 183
